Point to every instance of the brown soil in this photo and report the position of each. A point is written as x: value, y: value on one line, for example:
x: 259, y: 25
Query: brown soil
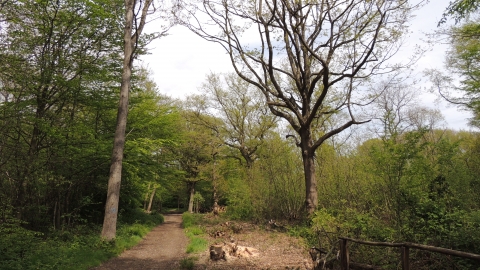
x: 162, y: 248
x: 276, y: 250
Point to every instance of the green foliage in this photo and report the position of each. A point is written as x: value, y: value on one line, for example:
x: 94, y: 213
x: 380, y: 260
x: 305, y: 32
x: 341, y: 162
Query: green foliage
x: 132, y: 216
x: 463, y: 62
x: 280, y: 192
x: 58, y: 109
x: 416, y: 187
x: 305, y: 231
x: 192, y: 231
x: 57, y: 147
x: 239, y: 200
x: 245, y: 120
x: 399, y: 167
x: 271, y: 188
x: 326, y: 225
x: 198, y: 201
x: 188, y: 220
x: 324, y: 221
x: 15, y: 244
x: 350, y: 223
x: 81, y: 248
x: 460, y: 10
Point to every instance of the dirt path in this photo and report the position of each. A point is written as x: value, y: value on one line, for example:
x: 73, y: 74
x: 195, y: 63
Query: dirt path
x: 162, y: 248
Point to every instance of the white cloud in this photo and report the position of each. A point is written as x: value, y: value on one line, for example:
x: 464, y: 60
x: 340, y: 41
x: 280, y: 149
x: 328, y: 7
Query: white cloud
x: 181, y: 60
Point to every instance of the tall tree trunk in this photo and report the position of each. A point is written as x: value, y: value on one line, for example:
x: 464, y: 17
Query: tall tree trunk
x: 160, y: 206
x: 151, y: 200
x: 146, y: 197
x: 55, y: 216
x: 109, y: 228
x: 311, y: 196
x: 58, y: 212
x: 308, y: 156
x: 216, y: 208
x: 192, y: 194
x: 130, y: 41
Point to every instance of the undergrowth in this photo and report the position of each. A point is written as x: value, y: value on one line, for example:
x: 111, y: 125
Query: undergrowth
x: 77, y: 248
x: 194, y: 232
x: 188, y: 263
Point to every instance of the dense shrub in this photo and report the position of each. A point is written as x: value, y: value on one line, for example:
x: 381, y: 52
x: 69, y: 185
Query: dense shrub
x: 78, y: 248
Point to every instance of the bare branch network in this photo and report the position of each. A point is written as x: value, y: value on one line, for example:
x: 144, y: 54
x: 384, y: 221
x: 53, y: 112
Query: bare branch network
x: 308, y: 58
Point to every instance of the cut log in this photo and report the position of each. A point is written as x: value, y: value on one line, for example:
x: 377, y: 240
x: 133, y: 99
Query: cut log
x: 232, y: 248
x: 246, y: 252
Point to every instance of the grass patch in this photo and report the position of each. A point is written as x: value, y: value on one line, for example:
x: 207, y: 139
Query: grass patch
x: 197, y: 244
x: 189, y: 220
x: 188, y: 263
x: 79, y: 248
x: 194, y: 232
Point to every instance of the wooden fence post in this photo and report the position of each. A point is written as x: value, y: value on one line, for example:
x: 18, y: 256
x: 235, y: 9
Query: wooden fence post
x: 344, y: 257
x: 405, y: 257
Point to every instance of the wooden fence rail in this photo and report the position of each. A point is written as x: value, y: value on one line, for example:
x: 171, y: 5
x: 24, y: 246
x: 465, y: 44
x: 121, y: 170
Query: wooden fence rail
x: 405, y: 250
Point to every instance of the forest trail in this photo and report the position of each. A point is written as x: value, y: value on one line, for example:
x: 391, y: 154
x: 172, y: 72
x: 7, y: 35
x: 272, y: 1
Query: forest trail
x: 162, y: 248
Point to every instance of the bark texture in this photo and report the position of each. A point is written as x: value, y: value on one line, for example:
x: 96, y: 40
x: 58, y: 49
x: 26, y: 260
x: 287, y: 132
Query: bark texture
x: 109, y: 228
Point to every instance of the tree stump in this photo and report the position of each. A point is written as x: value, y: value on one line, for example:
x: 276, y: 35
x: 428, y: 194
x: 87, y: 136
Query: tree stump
x: 217, y: 253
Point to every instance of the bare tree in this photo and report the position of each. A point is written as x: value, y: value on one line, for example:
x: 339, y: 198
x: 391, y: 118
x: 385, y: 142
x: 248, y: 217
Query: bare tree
x: 397, y: 111
x: 246, y: 120
x: 310, y: 59
x: 391, y: 107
